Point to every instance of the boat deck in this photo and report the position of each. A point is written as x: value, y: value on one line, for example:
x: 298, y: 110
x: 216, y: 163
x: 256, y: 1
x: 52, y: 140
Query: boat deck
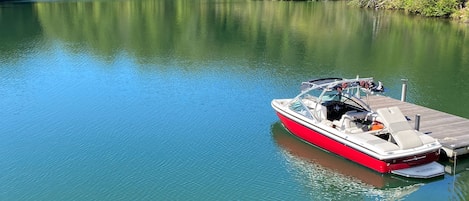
x: 450, y: 130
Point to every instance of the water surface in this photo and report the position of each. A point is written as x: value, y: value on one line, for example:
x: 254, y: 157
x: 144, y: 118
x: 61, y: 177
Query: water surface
x: 170, y: 100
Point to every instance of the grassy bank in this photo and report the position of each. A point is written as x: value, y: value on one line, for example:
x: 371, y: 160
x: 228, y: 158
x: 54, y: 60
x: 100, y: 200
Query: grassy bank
x: 455, y: 9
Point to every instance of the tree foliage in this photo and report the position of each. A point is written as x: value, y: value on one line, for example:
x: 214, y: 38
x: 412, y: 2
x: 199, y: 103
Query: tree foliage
x: 462, y: 14
x: 430, y: 8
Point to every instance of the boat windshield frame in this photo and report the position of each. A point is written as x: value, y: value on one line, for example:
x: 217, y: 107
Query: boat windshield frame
x: 346, y: 89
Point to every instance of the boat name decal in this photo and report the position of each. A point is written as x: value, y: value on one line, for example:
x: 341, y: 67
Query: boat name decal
x: 415, y: 158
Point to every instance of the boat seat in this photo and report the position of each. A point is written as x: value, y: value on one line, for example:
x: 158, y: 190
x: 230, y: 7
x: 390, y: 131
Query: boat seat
x: 357, y: 114
x: 369, y: 140
x: 320, y: 109
x: 402, y: 133
x: 347, y: 124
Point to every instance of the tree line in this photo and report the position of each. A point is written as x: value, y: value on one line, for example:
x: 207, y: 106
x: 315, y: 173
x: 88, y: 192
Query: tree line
x: 456, y: 9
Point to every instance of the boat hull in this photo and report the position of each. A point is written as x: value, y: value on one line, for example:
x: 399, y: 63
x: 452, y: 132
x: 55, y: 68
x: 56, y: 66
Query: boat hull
x: 315, y: 137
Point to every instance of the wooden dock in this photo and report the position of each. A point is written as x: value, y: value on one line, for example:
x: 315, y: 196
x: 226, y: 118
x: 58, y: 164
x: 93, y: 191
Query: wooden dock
x: 450, y: 130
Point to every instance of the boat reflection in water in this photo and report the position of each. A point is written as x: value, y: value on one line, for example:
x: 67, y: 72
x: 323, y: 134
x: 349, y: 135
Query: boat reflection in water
x: 330, y: 176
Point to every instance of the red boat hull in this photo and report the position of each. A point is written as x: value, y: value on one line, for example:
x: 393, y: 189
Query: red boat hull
x: 320, y: 140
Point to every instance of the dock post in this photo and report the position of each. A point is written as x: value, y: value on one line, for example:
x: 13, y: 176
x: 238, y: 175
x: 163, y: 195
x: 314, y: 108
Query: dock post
x: 417, y: 122
x: 404, y: 90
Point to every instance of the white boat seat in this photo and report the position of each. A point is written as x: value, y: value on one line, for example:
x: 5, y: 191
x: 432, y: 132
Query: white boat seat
x: 378, y: 143
x: 402, y: 133
x: 321, y: 111
x: 347, y: 124
x: 356, y: 114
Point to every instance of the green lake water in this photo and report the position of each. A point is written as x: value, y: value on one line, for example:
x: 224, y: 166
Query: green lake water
x: 170, y: 99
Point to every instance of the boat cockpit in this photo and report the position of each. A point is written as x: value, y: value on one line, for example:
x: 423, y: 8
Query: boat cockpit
x: 339, y: 106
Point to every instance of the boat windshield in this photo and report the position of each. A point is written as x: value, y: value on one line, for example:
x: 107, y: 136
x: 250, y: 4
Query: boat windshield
x: 335, y: 96
x: 354, y: 101
x: 331, y: 102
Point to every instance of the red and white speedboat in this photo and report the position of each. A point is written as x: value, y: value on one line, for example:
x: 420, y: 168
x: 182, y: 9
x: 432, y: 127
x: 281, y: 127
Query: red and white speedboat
x: 332, y: 114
